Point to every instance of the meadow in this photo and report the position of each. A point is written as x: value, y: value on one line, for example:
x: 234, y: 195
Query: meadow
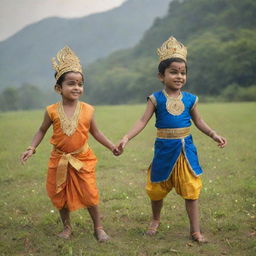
x: 29, y: 222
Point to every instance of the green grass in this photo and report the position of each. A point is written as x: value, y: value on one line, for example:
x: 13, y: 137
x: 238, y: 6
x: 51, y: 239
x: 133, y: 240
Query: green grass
x: 29, y: 222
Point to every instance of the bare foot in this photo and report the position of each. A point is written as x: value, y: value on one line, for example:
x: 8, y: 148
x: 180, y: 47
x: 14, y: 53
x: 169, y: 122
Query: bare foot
x: 198, y: 237
x: 152, y: 228
x: 66, y: 233
x: 101, y: 235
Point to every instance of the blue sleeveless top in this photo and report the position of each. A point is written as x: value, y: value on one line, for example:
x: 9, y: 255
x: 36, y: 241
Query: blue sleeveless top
x: 167, y: 151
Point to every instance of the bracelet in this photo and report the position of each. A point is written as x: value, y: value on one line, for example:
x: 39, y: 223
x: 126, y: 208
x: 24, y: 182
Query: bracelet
x: 32, y: 148
x: 126, y: 137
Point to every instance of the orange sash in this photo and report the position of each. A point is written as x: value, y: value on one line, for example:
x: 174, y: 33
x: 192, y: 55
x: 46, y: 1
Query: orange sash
x: 67, y: 158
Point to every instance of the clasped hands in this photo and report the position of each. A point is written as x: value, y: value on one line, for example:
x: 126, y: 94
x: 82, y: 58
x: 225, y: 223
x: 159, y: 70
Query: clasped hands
x: 119, y: 148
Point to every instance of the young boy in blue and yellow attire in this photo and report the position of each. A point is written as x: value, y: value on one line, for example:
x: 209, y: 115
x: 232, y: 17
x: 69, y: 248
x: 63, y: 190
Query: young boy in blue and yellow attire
x: 175, y: 162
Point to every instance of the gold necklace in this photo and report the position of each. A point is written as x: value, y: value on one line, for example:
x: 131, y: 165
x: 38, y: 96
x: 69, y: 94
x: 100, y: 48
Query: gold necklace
x: 68, y: 125
x: 174, y: 105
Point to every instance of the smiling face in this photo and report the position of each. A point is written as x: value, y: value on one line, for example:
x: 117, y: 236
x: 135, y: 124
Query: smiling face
x: 71, y: 87
x: 175, y: 76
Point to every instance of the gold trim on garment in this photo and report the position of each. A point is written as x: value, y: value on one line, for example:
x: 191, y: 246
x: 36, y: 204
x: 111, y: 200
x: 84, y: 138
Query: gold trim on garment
x: 153, y: 99
x: 196, y: 102
x: 68, y: 125
x: 67, y: 158
x: 176, y: 133
x: 174, y: 105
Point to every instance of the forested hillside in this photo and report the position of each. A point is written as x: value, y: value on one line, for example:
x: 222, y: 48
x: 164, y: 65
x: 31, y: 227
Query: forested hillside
x: 25, y: 57
x: 221, y: 40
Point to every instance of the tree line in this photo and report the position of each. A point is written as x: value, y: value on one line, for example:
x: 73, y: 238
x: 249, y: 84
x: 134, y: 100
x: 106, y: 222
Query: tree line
x: 24, y: 98
x: 221, y: 39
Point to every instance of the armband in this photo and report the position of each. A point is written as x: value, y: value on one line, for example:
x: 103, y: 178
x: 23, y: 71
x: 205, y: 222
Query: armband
x: 126, y: 137
x: 32, y: 148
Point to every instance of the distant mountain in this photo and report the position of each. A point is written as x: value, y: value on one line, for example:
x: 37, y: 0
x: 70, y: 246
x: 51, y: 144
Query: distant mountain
x: 25, y: 57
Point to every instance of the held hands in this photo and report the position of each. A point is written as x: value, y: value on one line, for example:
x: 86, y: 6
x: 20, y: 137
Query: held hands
x: 123, y: 142
x: 118, y: 149
x: 27, y: 154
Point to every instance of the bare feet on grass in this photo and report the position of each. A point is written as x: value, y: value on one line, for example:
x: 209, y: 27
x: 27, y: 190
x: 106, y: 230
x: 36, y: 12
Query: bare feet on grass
x: 198, y: 237
x: 152, y: 228
x: 101, y: 235
x: 66, y: 233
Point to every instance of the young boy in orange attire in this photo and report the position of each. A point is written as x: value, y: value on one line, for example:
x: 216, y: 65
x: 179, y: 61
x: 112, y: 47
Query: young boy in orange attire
x: 71, y: 180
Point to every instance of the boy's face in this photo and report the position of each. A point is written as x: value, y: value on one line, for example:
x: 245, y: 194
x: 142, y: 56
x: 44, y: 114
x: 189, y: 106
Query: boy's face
x: 72, y: 86
x: 174, y: 76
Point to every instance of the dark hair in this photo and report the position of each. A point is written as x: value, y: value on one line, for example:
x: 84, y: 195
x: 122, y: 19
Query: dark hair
x: 62, y: 77
x: 163, y: 65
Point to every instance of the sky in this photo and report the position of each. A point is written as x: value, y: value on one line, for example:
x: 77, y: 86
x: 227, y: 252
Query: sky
x: 16, y: 14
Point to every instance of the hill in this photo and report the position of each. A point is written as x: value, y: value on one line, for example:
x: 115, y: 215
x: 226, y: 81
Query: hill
x: 221, y: 40
x: 25, y: 57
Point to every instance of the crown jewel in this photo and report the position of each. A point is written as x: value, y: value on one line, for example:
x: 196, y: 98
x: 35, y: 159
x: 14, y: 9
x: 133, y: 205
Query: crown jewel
x: 172, y: 48
x: 66, y: 61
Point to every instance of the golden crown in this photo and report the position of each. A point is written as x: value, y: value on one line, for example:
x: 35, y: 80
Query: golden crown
x: 172, y: 48
x: 67, y: 61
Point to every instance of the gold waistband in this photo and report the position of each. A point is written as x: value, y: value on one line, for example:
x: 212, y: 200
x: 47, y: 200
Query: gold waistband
x: 177, y: 133
x: 84, y: 148
x: 67, y: 158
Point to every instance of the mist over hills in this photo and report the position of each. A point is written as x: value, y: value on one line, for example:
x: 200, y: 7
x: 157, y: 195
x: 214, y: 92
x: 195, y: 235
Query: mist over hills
x: 25, y: 57
x: 220, y: 36
x: 221, y: 39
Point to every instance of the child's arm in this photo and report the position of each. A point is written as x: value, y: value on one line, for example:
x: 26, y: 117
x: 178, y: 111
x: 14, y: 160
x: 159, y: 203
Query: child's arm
x: 101, y: 138
x: 203, y: 127
x: 138, y: 126
x: 36, y: 139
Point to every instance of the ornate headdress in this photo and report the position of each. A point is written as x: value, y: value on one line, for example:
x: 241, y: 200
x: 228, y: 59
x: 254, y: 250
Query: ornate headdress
x: 67, y: 61
x: 172, y: 48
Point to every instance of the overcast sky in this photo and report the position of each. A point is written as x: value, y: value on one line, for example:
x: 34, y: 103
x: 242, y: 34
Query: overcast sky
x: 16, y: 14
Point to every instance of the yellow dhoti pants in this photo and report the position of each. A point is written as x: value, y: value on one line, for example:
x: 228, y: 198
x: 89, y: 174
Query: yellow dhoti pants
x: 185, y: 183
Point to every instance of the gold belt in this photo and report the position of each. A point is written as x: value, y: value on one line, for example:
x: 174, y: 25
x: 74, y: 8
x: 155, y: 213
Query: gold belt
x: 176, y: 133
x: 67, y: 158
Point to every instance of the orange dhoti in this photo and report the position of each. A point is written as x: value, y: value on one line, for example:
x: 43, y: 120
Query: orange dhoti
x: 71, y: 179
x: 79, y: 189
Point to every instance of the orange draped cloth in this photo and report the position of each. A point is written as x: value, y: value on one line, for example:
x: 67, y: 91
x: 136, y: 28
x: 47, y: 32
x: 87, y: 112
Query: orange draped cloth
x: 71, y: 180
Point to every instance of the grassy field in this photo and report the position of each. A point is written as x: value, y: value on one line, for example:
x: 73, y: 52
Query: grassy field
x: 29, y: 222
